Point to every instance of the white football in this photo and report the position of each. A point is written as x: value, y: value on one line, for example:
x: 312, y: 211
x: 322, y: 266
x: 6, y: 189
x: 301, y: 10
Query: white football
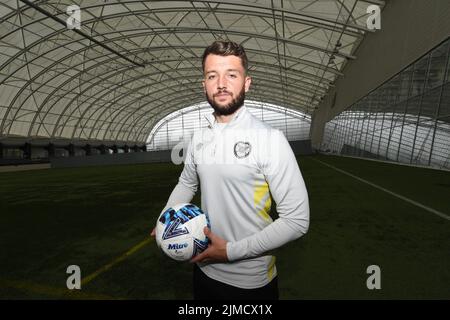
x: 179, y: 231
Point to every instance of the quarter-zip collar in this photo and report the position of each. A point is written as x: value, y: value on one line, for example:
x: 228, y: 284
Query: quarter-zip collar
x: 238, y: 116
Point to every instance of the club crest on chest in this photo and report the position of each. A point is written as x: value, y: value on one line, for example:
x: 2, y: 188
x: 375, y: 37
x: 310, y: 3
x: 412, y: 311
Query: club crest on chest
x: 242, y: 149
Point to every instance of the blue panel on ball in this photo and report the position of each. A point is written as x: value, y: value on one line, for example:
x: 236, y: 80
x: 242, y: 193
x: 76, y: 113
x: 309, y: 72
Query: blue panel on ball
x: 174, y: 229
x: 184, y: 214
x: 199, y: 246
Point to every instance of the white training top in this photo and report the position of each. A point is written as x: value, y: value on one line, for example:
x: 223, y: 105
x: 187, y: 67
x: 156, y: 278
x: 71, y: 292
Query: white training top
x: 240, y: 165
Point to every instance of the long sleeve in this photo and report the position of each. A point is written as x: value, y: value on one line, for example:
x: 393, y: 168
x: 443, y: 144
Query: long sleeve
x: 187, y: 185
x: 289, y: 192
x: 180, y: 194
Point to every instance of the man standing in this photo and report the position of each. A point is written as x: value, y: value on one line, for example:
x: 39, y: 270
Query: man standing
x: 240, y: 164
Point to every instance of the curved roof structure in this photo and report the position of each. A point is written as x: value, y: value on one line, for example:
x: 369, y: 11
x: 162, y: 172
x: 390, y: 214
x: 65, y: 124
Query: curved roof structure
x: 134, y: 62
x: 180, y: 124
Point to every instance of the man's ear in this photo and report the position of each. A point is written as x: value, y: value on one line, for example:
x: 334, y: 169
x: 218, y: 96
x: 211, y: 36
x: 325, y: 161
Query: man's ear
x: 248, y: 82
x: 204, y: 88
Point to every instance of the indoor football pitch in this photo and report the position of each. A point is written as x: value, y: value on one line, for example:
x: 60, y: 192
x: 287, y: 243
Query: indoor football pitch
x: 363, y: 213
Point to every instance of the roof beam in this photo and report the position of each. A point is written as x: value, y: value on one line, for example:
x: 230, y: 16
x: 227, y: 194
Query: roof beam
x: 81, y: 33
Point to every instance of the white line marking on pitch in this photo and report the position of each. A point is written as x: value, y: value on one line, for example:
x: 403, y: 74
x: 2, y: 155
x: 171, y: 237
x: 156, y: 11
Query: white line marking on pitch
x: 105, y: 268
x: 417, y: 204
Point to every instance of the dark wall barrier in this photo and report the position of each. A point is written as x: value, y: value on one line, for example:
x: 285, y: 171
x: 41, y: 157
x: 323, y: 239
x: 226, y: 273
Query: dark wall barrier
x: 302, y: 147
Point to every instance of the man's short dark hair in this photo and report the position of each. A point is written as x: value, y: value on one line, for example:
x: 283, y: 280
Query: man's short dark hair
x: 226, y: 48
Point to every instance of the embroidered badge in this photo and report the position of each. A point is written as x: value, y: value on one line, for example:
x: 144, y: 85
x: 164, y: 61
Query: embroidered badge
x: 242, y: 149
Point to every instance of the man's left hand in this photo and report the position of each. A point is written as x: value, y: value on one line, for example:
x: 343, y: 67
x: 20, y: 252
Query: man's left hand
x: 216, y: 251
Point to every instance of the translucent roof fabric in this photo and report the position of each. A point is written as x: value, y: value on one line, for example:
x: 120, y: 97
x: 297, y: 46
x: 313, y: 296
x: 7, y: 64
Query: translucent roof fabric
x: 181, y: 124
x: 134, y: 62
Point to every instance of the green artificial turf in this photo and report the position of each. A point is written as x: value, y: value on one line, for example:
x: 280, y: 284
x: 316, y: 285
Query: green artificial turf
x: 50, y: 219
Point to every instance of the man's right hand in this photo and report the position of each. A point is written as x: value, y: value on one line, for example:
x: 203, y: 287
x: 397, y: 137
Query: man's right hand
x: 153, y: 233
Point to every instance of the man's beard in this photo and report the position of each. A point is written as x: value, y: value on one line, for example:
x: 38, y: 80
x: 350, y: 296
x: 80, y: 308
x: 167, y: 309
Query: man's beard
x: 230, y: 108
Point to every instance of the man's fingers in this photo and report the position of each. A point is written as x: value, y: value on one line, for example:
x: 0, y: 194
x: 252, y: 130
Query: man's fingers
x: 200, y: 257
x: 153, y: 232
x: 209, y: 234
